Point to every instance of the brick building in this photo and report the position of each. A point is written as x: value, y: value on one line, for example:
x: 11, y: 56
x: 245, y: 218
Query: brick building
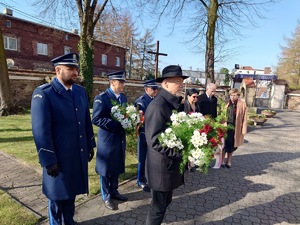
x: 29, y: 45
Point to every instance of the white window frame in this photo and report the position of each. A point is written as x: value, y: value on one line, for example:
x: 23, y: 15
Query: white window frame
x: 42, y: 49
x: 67, y: 50
x: 9, y: 42
x: 104, y: 59
x: 118, y: 61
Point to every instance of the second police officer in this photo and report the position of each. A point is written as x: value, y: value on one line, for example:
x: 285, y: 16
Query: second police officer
x: 110, y: 160
x: 151, y: 90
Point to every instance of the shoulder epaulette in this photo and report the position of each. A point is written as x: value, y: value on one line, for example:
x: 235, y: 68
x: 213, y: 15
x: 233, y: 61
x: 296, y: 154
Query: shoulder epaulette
x: 44, y: 86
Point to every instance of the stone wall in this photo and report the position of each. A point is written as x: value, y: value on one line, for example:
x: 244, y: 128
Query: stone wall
x: 293, y: 101
x: 23, y: 83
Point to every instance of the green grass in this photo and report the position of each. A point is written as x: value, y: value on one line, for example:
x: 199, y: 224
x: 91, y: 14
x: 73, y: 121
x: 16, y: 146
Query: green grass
x: 16, y: 140
x: 12, y: 213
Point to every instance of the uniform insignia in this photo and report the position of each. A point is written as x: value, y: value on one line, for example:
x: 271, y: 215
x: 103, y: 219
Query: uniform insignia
x: 44, y: 85
x: 38, y: 96
x: 98, y: 101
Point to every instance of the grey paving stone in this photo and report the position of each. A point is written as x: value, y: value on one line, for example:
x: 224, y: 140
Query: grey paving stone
x: 262, y: 187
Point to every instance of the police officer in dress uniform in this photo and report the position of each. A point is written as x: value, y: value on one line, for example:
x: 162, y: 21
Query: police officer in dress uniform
x: 110, y: 160
x: 151, y: 90
x: 64, y: 138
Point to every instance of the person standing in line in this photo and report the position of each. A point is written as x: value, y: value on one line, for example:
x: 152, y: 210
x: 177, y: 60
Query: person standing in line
x: 237, y: 118
x: 64, y: 138
x: 190, y: 103
x: 151, y: 90
x: 162, y: 163
x: 110, y: 159
x: 208, y: 101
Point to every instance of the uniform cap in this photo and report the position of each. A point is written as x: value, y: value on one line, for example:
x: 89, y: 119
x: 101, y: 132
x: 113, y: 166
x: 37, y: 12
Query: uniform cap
x: 119, y: 75
x: 70, y: 59
x: 151, y: 83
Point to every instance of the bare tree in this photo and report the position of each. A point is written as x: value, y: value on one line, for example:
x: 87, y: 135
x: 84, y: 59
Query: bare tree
x: 119, y: 29
x: 144, y: 62
x: 212, y: 22
x: 289, y: 62
x: 6, y: 102
x: 89, y: 12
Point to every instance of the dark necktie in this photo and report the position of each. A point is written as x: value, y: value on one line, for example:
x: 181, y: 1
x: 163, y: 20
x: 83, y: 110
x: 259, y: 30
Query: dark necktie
x: 69, y: 91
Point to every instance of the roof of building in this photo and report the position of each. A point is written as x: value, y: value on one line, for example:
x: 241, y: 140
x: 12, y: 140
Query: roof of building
x: 256, y: 77
x: 54, y: 28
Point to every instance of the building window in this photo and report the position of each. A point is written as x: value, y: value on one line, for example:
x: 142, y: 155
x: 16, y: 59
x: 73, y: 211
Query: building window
x: 42, y: 49
x: 8, y: 23
x: 104, y: 59
x: 103, y: 74
x: 118, y: 61
x: 67, y: 50
x: 10, y: 43
x: 67, y: 37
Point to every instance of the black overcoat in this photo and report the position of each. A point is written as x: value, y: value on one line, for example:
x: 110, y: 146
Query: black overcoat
x: 162, y: 163
x: 207, y: 107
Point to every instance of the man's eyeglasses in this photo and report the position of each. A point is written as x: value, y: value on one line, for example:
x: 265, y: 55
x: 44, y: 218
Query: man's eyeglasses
x: 154, y: 88
x: 194, y: 96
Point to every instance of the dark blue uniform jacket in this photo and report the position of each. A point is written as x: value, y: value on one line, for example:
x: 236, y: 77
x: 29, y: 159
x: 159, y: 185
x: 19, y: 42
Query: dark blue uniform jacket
x: 111, y: 145
x: 63, y: 134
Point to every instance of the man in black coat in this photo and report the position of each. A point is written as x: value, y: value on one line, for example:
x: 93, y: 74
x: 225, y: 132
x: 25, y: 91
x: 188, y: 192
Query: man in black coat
x: 208, y: 102
x: 162, y: 163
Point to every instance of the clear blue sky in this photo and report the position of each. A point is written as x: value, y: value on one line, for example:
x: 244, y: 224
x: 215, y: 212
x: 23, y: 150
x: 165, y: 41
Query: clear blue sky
x: 260, y: 48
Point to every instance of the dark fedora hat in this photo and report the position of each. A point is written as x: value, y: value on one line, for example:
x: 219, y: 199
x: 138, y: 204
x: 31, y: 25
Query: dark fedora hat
x: 171, y: 71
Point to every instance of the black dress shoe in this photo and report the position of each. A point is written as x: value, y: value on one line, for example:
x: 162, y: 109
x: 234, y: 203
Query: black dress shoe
x: 228, y: 166
x: 108, y: 204
x: 145, y: 187
x: 119, y: 197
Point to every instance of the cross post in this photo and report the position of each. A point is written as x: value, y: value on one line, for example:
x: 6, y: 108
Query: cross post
x: 157, y: 53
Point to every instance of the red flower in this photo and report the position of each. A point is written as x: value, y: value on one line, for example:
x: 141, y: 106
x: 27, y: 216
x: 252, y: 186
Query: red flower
x: 220, y: 133
x: 214, y: 142
x: 141, y: 116
x: 205, y: 129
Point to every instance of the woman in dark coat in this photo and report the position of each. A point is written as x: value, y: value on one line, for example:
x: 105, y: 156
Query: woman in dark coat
x: 190, y: 103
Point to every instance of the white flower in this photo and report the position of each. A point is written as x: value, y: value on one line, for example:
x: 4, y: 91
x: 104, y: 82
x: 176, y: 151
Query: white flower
x: 131, y: 118
x: 196, y: 157
x: 169, y: 139
x: 198, y: 139
x: 195, y: 118
x: 178, y: 118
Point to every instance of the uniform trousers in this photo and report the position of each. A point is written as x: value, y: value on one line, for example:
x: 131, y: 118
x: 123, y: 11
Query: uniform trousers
x: 109, y: 186
x: 142, y: 153
x: 160, y: 202
x: 61, y: 211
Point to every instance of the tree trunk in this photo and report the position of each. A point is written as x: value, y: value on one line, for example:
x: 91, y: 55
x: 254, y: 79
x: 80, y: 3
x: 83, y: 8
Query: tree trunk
x: 212, y: 17
x: 86, y: 61
x: 6, y: 103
